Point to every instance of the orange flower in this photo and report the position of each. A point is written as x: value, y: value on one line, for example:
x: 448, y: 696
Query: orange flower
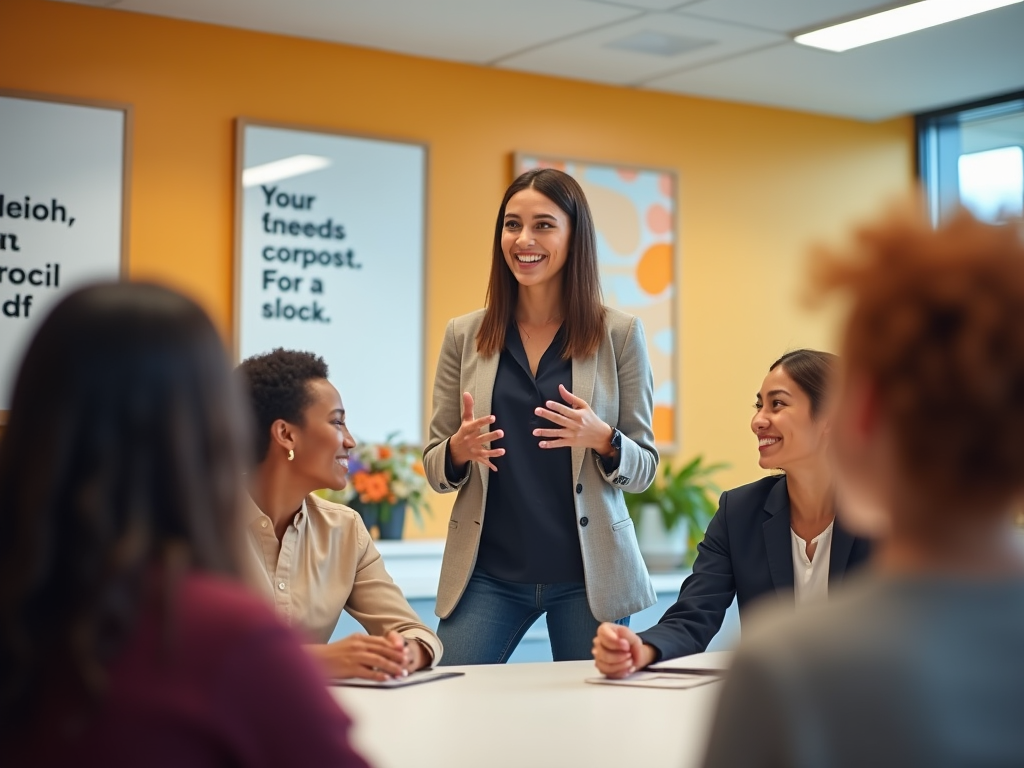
x: 372, y: 487
x: 418, y: 469
x: 385, y: 453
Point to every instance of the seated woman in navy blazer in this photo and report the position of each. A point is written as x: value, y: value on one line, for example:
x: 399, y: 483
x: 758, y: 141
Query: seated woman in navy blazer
x: 776, y: 535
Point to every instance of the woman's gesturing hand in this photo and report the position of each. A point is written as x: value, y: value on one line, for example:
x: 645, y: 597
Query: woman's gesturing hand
x: 577, y: 425
x: 471, y: 442
x: 619, y: 651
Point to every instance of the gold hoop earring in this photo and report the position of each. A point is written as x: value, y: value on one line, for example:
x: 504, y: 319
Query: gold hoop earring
x: 291, y: 454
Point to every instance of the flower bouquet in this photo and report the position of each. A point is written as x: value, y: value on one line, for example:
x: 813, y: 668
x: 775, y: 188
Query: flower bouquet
x: 385, y: 479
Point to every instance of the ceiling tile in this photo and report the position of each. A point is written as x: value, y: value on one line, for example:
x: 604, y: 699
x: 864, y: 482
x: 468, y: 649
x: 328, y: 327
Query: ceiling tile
x: 969, y: 59
x: 646, y: 5
x: 782, y: 15
x: 476, y: 31
x: 750, y: 60
x: 589, y: 57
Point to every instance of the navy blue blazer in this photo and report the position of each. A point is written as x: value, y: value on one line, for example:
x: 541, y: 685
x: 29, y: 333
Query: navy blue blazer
x: 747, y: 552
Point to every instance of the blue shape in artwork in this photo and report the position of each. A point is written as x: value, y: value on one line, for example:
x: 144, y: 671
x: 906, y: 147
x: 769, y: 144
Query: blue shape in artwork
x: 626, y: 291
x: 663, y: 341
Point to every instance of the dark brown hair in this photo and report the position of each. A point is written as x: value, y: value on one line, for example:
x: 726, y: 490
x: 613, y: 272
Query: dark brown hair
x: 937, y: 327
x: 811, y: 370
x: 121, y: 462
x: 581, y: 287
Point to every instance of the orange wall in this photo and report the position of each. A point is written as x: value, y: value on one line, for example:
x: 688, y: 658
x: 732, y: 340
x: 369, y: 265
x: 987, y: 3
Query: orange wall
x: 757, y: 184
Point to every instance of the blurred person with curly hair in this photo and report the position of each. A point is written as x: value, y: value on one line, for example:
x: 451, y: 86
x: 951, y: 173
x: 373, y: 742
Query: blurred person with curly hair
x: 308, y: 557
x: 916, y: 663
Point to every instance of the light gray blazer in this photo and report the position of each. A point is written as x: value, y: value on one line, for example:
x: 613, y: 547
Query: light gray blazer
x: 618, y: 385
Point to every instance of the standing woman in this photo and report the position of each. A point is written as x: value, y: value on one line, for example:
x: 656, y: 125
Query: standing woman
x: 542, y: 419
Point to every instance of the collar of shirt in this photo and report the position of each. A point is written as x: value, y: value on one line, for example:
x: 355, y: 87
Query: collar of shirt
x: 822, y: 541
x: 810, y: 577
x: 256, y: 520
x: 514, y: 344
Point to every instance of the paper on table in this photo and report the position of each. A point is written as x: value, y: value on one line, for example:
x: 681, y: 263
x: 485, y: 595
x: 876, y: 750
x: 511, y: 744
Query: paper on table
x: 657, y: 680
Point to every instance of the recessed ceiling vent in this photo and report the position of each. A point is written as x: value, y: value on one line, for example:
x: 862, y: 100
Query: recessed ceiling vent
x: 658, y: 43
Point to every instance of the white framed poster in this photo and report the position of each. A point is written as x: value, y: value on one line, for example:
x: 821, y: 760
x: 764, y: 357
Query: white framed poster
x: 64, y: 174
x: 329, y: 258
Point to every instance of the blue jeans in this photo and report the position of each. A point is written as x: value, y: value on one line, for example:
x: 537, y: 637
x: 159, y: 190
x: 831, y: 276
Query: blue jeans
x: 493, y: 615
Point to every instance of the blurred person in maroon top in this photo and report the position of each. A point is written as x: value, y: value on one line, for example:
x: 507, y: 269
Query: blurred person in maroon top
x: 124, y: 639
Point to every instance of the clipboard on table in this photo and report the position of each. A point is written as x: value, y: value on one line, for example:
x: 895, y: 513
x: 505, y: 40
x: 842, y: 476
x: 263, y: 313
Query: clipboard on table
x: 416, y: 678
x: 684, y: 672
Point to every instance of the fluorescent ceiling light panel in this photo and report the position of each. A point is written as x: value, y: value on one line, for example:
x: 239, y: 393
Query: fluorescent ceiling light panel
x: 896, y: 22
x: 286, y: 168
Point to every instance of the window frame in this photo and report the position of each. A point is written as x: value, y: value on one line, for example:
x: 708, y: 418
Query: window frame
x: 938, y: 147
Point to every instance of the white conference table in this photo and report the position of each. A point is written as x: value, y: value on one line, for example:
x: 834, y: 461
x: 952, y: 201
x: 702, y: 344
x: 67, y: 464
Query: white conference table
x: 529, y: 716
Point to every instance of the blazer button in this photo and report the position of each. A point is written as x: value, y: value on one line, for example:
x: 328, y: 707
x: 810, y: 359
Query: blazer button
x: 579, y: 487
x: 444, y: 487
x: 584, y: 521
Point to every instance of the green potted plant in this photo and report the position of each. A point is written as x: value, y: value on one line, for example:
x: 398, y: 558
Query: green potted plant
x: 384, y: 480
x: 672, y: 515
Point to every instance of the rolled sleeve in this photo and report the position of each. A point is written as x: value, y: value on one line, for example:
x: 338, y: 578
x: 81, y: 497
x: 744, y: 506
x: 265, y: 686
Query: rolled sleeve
x: 378, y: 604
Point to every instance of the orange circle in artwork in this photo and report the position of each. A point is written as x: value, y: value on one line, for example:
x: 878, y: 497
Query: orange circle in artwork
x: 665, y: 185
x: 627, y: 175
x: 664, y: 424
x: 659, y: 220
x: 654, y: 271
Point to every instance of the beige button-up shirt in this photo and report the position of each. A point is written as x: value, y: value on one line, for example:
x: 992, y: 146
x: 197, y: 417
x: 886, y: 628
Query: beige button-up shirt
x: 325, y: 563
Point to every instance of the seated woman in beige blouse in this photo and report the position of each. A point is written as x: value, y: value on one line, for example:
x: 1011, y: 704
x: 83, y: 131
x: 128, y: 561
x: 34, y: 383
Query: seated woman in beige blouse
x: 309, y: 557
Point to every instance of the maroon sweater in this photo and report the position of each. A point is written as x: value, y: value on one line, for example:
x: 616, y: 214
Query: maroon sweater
x: 231, y: 688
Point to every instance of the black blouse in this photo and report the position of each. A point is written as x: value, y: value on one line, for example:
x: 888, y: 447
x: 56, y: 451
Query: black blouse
x: 529, y: 532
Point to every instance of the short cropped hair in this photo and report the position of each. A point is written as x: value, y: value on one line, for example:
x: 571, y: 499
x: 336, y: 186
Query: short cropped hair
x: 936, y: 324
x: 278, y: 387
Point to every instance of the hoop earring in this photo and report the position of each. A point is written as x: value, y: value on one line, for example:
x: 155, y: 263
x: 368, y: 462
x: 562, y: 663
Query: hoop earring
x: 291, y: 454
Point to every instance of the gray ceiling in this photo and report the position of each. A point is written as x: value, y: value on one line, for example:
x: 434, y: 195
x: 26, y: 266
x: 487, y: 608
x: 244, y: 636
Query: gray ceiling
x: 735, y: 50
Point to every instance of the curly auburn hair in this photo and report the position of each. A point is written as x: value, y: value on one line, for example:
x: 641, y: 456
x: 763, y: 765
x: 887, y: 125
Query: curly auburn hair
x: 277, y: 383
x: 937, y: 325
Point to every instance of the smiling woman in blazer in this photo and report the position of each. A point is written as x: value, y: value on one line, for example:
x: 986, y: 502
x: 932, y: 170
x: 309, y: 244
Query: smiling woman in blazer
x: 776, y: 535
x: 542, y: 419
